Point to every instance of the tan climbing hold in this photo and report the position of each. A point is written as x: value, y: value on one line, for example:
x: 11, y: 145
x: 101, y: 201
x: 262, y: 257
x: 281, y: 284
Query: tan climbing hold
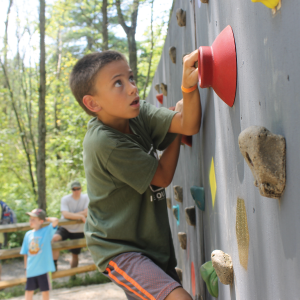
x: 265, y: 154
x: 172, y: 54
x: 163, y: 88
x: 178, y: 193
x: 222, y: 264
x: 157, y: 88
x: 181, y: 17
x: 190, y: 215
x: 179, y: 273
x: 182, y: 239
x: 169, y: 203
x: 204, y: 1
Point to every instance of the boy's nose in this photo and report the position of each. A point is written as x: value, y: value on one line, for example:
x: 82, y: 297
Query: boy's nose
x: 132, y: 89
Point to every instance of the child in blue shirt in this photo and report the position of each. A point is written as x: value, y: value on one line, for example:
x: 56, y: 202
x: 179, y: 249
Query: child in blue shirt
x: 37, y: 251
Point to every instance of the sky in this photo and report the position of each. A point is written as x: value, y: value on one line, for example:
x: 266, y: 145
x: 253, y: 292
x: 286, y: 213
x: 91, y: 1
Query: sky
x: 21, y: 12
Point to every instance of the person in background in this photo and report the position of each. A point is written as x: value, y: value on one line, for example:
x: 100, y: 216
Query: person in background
x: 7, y: 216
x: 73, y: 207
x: 37, y: 251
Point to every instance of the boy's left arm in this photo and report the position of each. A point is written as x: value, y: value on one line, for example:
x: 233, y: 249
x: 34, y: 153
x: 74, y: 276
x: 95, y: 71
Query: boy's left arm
x: 52, y: 220
x: 188, y: 120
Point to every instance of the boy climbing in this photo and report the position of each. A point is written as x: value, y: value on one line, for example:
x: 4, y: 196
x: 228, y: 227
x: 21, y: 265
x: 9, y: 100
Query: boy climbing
x: 37, y: 251
x: 127, y: 227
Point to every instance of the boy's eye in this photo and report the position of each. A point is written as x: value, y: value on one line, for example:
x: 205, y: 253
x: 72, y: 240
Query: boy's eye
x: 131, y: 78
x: 118, y: 83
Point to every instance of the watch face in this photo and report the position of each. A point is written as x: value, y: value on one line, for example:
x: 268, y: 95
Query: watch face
x: 158, y: 193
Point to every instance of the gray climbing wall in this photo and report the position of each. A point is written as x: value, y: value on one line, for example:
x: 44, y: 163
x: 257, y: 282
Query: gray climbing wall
x: 260, y: 234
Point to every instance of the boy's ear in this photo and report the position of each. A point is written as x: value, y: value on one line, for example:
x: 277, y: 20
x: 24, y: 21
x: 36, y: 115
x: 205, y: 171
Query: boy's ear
x: 91, y: 103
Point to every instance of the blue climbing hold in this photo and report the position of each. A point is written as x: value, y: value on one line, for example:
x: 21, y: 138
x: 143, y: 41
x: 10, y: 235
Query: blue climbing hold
x: 198, y: 196
x: 175, y: 210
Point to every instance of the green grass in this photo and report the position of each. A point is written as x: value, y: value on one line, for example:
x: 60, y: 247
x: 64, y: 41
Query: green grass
x: 96, y: 278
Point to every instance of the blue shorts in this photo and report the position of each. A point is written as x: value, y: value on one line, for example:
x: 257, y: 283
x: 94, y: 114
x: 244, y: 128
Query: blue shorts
x: 43, y: 282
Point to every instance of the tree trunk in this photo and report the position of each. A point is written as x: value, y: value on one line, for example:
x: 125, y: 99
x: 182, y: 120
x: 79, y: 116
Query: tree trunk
x: 104, y: 26
x: 41, y: 165
x: 151, y: 52
x: 130, y: 33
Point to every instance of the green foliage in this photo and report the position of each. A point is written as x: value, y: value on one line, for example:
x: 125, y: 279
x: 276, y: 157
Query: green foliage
x: 73, y: 28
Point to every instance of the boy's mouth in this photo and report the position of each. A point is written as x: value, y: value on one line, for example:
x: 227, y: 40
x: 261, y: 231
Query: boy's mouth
x: 135, y: 101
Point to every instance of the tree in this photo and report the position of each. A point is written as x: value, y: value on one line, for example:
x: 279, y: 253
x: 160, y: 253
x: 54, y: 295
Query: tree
x: 41, y: 159
x: 130, y: 33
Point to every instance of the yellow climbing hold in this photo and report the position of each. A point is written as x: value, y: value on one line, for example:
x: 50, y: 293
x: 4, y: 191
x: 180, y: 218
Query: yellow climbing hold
x: 268, y: 3
x: 242, y: 233
x: 212, y: 182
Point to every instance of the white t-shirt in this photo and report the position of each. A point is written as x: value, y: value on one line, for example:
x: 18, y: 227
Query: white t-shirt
x: 68, y: 203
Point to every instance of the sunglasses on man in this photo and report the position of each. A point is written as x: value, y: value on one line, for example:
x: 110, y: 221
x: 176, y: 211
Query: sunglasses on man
x: 76, y: 189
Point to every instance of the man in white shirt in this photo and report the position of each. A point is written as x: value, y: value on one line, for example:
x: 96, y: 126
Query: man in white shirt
x: 73, y: 207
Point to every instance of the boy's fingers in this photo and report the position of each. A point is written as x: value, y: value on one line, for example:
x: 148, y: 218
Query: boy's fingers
x: 190, y: 59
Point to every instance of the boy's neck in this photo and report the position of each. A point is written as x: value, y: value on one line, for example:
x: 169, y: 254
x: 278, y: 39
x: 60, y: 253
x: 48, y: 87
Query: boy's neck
x: 38, y: 228
x: 121, y: 125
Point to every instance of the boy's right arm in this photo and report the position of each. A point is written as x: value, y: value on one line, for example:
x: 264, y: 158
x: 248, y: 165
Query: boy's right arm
x: 25, y: 262
x: 52, y: 220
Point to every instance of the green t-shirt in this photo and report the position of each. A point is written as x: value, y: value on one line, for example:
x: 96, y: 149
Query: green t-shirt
x: 124, y: 214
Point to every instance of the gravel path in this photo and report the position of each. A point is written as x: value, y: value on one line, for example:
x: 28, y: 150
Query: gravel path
x: 108, y: 291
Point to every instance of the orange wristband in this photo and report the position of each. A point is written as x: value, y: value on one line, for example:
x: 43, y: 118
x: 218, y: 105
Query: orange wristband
x: 189, y: 90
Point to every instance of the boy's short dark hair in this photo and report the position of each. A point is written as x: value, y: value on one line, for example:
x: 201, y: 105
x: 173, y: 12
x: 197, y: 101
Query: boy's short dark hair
x: 83, y: 75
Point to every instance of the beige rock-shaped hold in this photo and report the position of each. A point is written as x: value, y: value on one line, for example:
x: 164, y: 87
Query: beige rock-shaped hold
x: 172, y: 54
x: 222, y: 264
x: 265, y: 154
x: 204, y: 1
x: 179, y: 273
x: 182, y: 239
x: 178, y: 193
x: 163, y: 88
x: 169, y: 203
x: 181, y: 17
x: 157, y: 88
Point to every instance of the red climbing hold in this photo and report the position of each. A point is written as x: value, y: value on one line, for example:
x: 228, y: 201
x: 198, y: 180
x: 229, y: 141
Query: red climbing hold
x: 217, y: 66
x: 193, y: 279
x: 160, y: 98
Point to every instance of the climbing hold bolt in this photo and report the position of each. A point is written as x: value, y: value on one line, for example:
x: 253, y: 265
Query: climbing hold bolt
x: 175, y: 210
x: 172, y: 53
x: 190, y: 215
x: 182, y: 239
x: 178, y: 193
x: 198, y: 196
x: 160, y: 98
x: 179, y: 273
x: 181, y: 17
x: 222, y: 264
x: 169, y: 203
x: 209, y: 275
x: 187, y: 140
x: 265, y: 154
x: 163, y: 88
x: 157, y: 88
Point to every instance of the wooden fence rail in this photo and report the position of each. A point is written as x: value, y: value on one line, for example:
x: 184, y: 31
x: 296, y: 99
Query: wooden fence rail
x: 58, y: 274
x: 25, y: 226
x: 62, y: 245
